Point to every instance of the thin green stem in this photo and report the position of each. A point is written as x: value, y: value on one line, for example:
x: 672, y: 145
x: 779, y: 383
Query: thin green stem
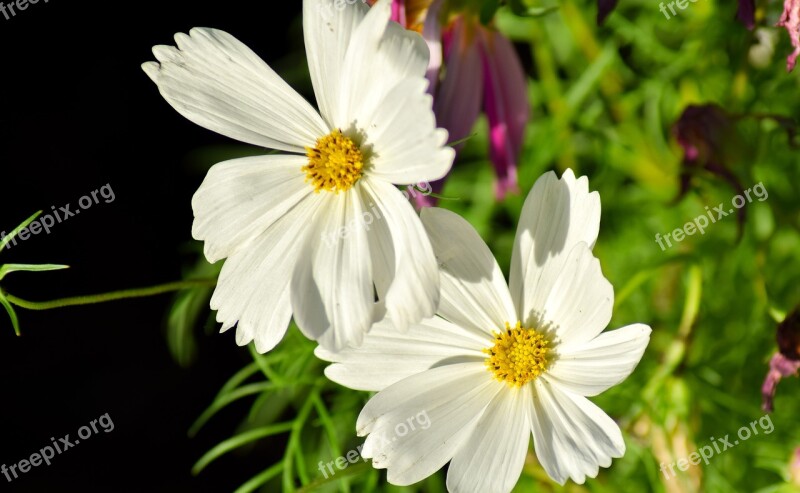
x: 353, y: 470
x: 113, y: 296
x: 294, y: 439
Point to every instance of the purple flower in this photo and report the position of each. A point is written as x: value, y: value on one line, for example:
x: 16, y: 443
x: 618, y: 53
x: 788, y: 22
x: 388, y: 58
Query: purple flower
x: 779, y: 366
x: 473, y: 68
x: 790, y: 19
x: 705, y: 132
x: 786, y: 362
x: 746, y: 14
x: 505, y: 102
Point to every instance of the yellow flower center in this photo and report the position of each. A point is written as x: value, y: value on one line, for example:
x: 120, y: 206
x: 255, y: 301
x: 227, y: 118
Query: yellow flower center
x: 518, y: 356
x: 335, y: 164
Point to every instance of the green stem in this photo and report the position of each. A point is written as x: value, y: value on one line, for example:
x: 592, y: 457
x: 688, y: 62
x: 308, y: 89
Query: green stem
x: 353, y: 470
x: 294, y: 438
x: 113, y: 296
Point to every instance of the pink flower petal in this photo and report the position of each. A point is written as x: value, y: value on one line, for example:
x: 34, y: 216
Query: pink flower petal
x: 779, y: 366
x: 432, y: 32
x: 791, y: 21
x: 506, y: 106
x: 458, y: 99
x: 399, y: 12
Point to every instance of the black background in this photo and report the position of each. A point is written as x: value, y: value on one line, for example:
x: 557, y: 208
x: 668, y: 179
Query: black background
x: 77, y: 112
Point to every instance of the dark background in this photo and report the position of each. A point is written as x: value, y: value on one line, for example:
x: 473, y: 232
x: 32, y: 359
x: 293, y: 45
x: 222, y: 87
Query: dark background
x: 77, y: 113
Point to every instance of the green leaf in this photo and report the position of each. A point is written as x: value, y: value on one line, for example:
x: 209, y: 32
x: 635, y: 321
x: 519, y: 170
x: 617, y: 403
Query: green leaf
x: 9, y: 268
x: 353, y: 470
x: 488, y: 9
x: 238, y: 441
x: 328, y: 425
x: 519, y: 8
x: 11, y: 313
x: 186, y: 313
x: 590, y: 78
x: 694, y: 295
x: 224, y: 400
x: 541, y: 11
x: 238, y: 379
x: 6, y: 240
x: 258, y: 480
x: 183, y: 318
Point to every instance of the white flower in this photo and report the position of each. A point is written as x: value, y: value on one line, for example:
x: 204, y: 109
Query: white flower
x: 500, y: 362
x: 268, y: 215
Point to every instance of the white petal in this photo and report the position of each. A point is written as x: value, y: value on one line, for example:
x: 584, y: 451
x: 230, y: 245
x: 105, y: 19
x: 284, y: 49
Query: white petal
x: 571, y: 435
x: 376, y: 88
x: 241, y: 198
x: 474, y: 293
x: 595, y: 366
x: 253, y: 287
x: 491, y: 460
x: 381, y: 54
x: 340, y: 274
x: 405, y: 269
x: 408, y: 148
x: 328, y: 26
x: 219, y: 83
x: 305, y: 297
x: 449, y: 399
x: 387, y: 356
x: 556, y: 216
x: 580, y: 303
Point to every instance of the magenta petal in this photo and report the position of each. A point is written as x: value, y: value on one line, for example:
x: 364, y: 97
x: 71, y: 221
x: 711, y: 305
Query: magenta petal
x: 458, y: 100
x: 788, y: 335
x: 399, y: 12
x: 506, y: 107
x: 432, y: 32
x: 779, y: 366
x: 790, y: 19
x: 746, y: 13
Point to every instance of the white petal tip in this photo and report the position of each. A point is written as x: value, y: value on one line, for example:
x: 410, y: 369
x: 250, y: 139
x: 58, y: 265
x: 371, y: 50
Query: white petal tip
x: 151, y: 69
x: 263, y: 347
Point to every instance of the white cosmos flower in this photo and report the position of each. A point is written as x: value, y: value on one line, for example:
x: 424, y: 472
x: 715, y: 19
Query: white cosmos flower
x: 292, y: 226
x: 501, y: 362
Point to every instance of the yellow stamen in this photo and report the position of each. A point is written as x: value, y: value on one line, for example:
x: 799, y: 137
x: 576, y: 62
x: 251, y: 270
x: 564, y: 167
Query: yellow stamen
x: 518, y: 356
x: 416, y: 12
x: 335, y: 164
